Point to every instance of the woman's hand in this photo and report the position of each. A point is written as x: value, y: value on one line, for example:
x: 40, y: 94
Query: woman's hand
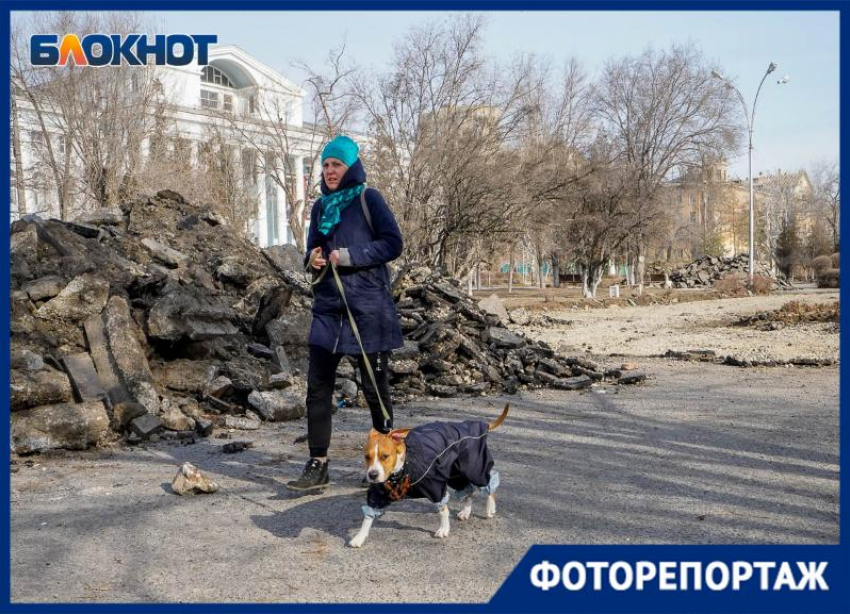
x: 318, y: 260
x: 334, y: 257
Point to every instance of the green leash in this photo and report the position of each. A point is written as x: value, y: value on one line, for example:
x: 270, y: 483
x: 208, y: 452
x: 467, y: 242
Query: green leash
x: 354, y: 329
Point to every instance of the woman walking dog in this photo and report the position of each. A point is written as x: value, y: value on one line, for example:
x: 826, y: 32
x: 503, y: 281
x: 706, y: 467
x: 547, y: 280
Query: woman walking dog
x: 352, y: 230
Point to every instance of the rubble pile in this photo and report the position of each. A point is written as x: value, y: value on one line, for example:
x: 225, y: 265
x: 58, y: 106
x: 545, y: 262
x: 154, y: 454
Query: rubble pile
x: 705, y: 271
x: 158, y: 320
x: 453, y: 346
x: 791, y: 313
x: 150, y: 320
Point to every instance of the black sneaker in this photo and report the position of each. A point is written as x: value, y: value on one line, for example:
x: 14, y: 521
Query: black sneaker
x: 314, y: 477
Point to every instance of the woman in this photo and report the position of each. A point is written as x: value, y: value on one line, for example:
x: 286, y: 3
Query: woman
x: 340, y: 234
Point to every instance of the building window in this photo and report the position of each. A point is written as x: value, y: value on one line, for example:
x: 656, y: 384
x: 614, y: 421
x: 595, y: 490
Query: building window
x: 209, y: 100
x: 211, y: 74
x: 693, y: 216
x: 252, y: 104
x: 228, y: 103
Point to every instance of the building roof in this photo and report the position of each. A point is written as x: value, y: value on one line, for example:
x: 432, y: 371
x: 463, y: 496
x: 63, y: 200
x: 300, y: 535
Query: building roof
x: 233, y: 56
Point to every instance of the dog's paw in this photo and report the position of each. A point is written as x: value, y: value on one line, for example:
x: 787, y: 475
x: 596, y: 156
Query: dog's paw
x: 356, y: 541
x: 442, y: 532
x: 491, y: 506
x: 465, y: 513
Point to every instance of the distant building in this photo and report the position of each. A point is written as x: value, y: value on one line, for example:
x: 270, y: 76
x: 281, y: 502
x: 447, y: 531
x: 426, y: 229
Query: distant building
x: 709, y: 213
x: 789, y: 194
x: 233, y: 82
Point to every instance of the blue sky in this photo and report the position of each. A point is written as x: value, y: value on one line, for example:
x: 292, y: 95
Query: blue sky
x: 796, y: 124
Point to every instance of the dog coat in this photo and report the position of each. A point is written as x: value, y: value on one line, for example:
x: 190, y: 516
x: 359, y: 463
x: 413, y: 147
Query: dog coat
x: 439, y: 455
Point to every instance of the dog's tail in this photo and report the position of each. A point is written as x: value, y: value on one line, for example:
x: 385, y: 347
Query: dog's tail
x: 495, y: 424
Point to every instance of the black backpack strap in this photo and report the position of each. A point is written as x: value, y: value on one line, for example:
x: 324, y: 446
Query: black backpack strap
x: 366, y: 213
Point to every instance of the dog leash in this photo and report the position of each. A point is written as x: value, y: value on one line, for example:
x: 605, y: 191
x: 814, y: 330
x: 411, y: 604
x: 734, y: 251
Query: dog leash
x: 354, y: 328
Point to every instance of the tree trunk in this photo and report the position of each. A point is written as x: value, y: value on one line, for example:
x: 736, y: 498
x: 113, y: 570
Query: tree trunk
x: 511, y: 272
x: 585, y: 288
x: 591, y: 277
x: 556, y: 271
x: 19, y: 164
x: 595, y: 279
x: 541, y: 282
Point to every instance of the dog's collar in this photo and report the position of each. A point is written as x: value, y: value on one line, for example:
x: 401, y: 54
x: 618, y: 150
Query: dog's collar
x: 398, y: 483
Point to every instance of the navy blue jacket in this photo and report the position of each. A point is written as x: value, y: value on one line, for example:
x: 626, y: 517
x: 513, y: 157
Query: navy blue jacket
x: 366, y: 279
x: 441, y: 454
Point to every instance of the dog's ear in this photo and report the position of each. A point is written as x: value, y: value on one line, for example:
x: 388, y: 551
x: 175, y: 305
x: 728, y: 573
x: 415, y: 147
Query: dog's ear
x: 398, y: 435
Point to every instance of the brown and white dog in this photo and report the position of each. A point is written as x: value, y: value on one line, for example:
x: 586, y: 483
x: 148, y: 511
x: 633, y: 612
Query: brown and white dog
x: 429, y: 461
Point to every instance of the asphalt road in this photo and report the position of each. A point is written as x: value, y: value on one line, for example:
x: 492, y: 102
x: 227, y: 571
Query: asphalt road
x: 699, y: 454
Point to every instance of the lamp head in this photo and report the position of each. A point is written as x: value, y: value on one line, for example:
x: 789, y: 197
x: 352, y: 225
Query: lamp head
x: 771, y: 68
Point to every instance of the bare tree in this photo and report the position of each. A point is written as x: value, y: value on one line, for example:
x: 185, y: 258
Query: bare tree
x: 548, y: 152
x: 826, y: 197
x: 664, y: 110
x: 597, y: 215
x: 439, y: 121
x: 779, y: 201
x: 92, y: 122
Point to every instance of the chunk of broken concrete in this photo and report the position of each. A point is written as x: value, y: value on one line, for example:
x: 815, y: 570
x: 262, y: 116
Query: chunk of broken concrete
x: 277, y: 405
x: 219, y: 386
x: 125, y: 412
x: 34, y: 388
x: 243, y: 424
x: 84, y: 296
x: 84, y: 380
x: 494, y: 305
x: 44, y: 288
x: 103, y: 217
x: 174, y: 420
x: 236, y: 446
x: 26, y: 360
x: 146, y: 425
x: 573, y: 383
x: 519, y: 316
x: 72, y: 426
x: 165, y: 254
x: 189, y: 481
x: 279, y: 381
x: 504, y: 338
x: 185, y: 375
x: 632, y: 378
x: 286, y: 257
x: 203, y: 427
x: 127, y: 354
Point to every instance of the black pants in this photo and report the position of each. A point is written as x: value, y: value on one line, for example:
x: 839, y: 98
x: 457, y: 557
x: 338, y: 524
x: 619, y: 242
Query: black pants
x: 321, y: 377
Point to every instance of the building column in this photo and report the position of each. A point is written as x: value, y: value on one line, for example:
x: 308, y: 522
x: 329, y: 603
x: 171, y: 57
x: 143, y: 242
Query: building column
x: 300, y: 192
x: 282, y: 221
x: 261, y: 225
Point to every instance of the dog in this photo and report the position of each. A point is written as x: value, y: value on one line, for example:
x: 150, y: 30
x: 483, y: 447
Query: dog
x: 428, y: 462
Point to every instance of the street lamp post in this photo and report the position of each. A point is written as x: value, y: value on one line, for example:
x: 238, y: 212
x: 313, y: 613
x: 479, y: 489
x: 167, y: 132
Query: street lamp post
x: 750, y: 120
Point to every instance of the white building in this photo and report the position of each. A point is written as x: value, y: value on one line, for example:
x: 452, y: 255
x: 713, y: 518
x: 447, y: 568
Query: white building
x: 233, y: 82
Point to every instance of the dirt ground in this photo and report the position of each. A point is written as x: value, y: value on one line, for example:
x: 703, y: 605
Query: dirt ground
x: 697, y: 454
x: 687, y: 326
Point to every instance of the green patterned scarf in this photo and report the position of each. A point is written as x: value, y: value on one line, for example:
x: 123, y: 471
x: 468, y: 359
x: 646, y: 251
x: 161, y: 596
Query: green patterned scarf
x: 334, y: 203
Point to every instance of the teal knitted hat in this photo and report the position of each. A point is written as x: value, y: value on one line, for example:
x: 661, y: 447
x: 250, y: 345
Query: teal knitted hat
x: 341, y: 148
